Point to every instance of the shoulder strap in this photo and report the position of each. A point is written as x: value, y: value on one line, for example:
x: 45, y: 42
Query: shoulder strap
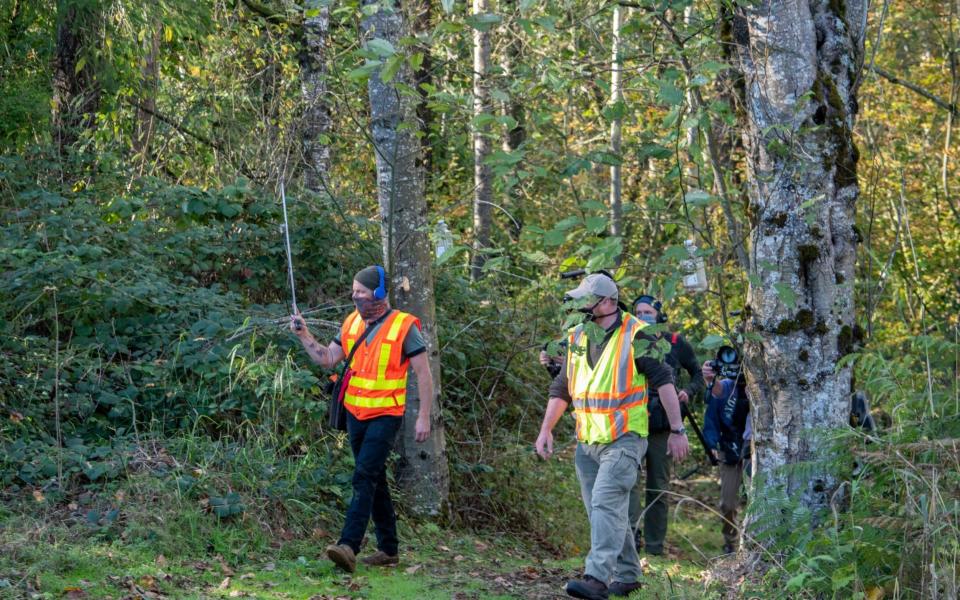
x: 366, y: 331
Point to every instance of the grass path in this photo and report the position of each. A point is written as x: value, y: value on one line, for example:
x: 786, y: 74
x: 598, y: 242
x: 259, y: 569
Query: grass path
x: 47, y: 558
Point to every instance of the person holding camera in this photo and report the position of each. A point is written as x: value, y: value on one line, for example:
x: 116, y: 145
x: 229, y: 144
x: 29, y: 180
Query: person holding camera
x: 382, y: 344
x: 726, y: 430
x: 653, y: 494
x: 606, y: 380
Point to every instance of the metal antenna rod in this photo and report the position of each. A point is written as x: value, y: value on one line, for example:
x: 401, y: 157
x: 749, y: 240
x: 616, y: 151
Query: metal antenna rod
x: 286, y: 235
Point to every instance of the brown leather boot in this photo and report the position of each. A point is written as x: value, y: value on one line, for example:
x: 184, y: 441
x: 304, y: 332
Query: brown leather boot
x: 380, y: 559
x: 342, y: 555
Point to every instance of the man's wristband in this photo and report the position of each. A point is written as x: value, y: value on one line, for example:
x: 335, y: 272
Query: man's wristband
x: 680, y: 431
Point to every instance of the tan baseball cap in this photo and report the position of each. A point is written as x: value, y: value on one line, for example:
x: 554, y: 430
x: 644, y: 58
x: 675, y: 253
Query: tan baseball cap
x: 596, y: 284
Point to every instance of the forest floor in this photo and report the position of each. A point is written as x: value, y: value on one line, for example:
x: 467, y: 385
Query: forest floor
x: 65, y: 554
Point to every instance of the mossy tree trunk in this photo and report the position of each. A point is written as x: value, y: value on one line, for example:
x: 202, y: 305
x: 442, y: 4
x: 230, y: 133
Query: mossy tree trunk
x: 423, y: 474
x: 313, y: 85
x: 800, y: 62
x: 76, y: 89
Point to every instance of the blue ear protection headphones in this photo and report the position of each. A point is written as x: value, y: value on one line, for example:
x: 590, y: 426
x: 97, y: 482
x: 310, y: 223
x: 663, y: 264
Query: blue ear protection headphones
x: 656, y: 304
x: 381, y: 292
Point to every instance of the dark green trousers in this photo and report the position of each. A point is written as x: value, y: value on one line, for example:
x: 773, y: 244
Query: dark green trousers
x: 649, y: 497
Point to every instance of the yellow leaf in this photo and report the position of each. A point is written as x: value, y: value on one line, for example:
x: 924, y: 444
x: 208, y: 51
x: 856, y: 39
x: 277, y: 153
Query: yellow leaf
x: 38, y: 496
x: 194, y: 70
x: 168, y: 33
x: 874, y: 592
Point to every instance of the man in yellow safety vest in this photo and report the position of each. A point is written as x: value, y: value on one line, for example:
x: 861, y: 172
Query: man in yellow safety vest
x: 374, y: 394
x: 607, y: 382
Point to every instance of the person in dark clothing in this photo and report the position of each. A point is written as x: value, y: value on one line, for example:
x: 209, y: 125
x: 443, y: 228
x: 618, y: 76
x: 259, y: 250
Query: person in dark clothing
x: 653, y: 492
x: 726, y: 428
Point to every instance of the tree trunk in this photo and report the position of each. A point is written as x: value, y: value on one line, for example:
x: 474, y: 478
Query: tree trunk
x: 616, y: 137
x: 482, y: 179
x: 799, y: 61
x: 423, y: 473
x: 424, y: 76
x: 76, y: 92
x: 513, y: 108
x: 313, y: 86
x: 147, y: 103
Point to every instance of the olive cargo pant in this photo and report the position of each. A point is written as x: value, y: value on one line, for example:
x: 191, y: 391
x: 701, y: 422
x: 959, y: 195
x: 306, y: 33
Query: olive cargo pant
x: 607, y: 474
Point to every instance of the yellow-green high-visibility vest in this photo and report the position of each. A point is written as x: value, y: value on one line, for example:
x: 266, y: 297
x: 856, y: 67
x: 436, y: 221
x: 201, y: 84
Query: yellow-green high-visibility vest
x: 610, y: 398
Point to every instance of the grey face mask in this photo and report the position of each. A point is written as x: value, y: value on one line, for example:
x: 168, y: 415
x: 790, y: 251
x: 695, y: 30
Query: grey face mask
x: 649, y: 319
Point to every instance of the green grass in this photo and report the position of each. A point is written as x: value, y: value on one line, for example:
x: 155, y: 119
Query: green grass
x: 165, y: 540
x: 229, y: 560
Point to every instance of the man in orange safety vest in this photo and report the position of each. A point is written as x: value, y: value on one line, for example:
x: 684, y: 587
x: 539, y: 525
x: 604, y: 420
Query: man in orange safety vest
x: 385, y: 344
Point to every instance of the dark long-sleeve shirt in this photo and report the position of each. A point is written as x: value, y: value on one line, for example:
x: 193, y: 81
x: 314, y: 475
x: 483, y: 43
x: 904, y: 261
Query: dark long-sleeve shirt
x: 656, y: 372
x: 682, y: 356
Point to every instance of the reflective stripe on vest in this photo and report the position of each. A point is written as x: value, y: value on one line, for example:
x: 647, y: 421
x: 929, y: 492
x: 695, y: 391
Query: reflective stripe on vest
x: 378, y: 382
x: 610, y: 398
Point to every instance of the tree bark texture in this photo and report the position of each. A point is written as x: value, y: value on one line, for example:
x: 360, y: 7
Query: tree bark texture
x: 799, y: 60
x: 482, y: 176
x: 313, y: 86
x: 513, y: 108
x: 422, y: 30
x: 616, y: 135
x: 149, y: 85
x: 76, y: 91
x: 423, y: 474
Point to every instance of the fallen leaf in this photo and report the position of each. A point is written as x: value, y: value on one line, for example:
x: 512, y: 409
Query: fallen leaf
x: 148, y: 582
x: 503, y: 582
x: 16, y: 417
x: 74, y: 592
x: 874, y: 592
x: 480, y: 546
x: 73, y: 507
x: 236, y: 593
x: 161, y: 561
x: 458, y: 558
x: 270, y: 567
x: 224, y: 584
x: 247, y: 576
x: 38, y: 496
x: 412, y: 570
x: 224, y: 566
x: 120, y: 495
x: 444, y: 548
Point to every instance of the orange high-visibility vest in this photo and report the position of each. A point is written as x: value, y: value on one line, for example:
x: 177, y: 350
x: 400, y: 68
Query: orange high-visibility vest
x: 378, y: 382
x: 610, y: 398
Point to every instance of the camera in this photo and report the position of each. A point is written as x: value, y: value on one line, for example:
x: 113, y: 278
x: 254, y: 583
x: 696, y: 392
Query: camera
x: 727, y: 363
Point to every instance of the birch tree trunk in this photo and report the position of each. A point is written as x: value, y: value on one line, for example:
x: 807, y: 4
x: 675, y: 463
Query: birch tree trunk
x: 799, y: 61
x: 482, y: 179
x: 313, y: 86
x: 616, y: 137
x: 423, y: 474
